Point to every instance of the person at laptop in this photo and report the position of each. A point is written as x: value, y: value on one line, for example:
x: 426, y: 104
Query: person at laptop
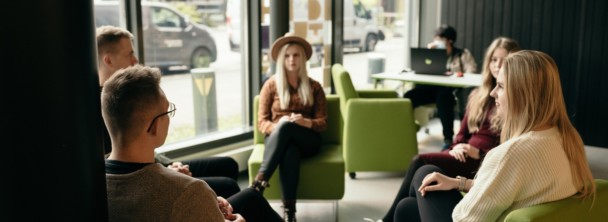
x: 459, y: 60
x: 479, y: 130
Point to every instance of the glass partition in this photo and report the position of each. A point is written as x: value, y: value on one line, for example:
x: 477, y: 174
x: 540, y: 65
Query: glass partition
x: 196, y: 47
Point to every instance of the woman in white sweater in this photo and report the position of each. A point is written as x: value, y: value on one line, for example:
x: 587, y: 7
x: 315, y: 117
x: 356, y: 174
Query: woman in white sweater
x: 541, y: 157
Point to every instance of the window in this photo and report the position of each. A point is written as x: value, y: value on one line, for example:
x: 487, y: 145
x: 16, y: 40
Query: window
x: 202, y: 72
x: 373, y: 41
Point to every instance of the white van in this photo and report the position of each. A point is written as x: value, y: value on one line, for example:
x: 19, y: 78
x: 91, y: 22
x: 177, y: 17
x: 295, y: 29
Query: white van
x: 360, y: 28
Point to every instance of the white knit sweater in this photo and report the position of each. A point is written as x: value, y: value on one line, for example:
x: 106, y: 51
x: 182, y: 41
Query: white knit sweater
x: 524, y: 171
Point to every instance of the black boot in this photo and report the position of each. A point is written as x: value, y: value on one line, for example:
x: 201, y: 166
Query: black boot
x: 259, y: 183
x: 289, y: 210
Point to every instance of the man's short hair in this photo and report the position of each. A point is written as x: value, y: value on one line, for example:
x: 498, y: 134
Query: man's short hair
x: 446, y: 31
x: 108, y: 37
x: 129, y: 96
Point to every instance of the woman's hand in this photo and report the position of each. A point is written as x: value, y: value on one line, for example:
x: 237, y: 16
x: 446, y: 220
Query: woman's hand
x: 472, y: 151
x: 285, y: 118
x: 462, y: 150
x: 179, y: 167
x: 459, y: 153
x: 442, y: 183
x: 300, y: 120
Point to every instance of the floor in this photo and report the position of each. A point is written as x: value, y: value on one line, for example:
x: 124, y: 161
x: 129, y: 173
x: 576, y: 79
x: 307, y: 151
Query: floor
x: 368, y: 196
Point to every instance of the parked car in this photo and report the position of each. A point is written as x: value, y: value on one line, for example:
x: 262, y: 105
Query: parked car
x: 170, y: 39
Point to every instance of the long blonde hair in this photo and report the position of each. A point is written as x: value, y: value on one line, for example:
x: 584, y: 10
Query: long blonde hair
x: 304, y: 89
x: 481, y: 99
x: 534, y: 97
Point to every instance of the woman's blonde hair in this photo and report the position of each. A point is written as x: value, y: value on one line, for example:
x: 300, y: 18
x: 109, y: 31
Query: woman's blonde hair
x: 304, y: 90
x: 534, y: 97
x: 481, y: 99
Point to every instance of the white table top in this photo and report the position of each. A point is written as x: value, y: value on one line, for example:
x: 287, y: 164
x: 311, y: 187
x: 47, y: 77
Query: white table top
x: 467, y: 80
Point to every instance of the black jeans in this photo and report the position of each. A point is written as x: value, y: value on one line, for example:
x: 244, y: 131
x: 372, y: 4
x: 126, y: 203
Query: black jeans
x: 220, y: 173
x: 285, y: 146
x: 443, y: 97
x: 253, y: 206
x: 404, y: 190
x: 435, y: 206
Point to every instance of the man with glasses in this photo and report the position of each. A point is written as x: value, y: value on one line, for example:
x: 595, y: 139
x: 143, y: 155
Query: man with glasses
x: 137, y: 114
x: 115, y: 52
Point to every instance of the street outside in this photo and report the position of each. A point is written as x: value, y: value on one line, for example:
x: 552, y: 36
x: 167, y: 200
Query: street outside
x: 229, y: 82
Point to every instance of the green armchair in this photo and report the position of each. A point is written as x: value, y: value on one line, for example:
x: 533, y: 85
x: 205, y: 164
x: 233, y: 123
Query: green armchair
x: 569, y: 209
x: 321, y: 176
x: 379, y: 129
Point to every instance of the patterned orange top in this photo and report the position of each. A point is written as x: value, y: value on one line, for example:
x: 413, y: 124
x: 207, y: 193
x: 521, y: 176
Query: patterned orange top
x: 270, y: 109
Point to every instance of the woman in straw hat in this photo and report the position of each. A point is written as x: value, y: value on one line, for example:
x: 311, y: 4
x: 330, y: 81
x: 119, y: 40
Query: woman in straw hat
x: 292, y: 113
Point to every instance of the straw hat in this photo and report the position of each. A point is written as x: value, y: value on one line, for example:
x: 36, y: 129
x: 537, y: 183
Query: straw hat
x: 289, y: 38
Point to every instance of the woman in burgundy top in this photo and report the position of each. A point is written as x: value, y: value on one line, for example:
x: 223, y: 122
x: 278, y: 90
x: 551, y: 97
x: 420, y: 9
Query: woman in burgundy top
x: 479, y: 130
x: 292, y: 113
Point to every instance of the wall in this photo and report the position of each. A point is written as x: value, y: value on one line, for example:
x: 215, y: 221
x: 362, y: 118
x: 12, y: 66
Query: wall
x: 574, y: 33
x: 53, y: 167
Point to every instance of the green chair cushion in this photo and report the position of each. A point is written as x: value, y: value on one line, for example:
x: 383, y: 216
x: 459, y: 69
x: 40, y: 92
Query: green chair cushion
x: 569, y: 209
x: 321, y: 176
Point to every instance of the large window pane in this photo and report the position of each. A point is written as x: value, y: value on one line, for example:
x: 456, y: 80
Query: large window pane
x: 308, y: 19
x: 373, y: 39
x: 202, y: 72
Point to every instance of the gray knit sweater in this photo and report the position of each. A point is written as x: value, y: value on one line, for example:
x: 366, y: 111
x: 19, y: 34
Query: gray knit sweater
x: 156, y: 193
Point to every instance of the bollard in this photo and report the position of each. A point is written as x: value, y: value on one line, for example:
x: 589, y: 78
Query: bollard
x: 375, y: 64
x: 205, y: 100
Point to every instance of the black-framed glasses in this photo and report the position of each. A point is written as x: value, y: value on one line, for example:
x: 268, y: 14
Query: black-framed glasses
x: 170, y: 112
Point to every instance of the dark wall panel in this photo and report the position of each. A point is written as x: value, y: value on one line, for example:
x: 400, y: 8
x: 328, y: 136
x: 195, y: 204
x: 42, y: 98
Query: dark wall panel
x: 52, y: 166
x: 592, y: 118
x: 574, y: 33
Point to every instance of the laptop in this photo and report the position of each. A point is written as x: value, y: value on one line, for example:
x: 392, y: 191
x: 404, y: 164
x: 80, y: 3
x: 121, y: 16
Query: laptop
x: 429, y: 61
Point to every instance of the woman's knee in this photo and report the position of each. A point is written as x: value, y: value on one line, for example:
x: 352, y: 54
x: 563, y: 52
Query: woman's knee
x: 428, y: 168
x: 407, y: 210
x: 422, y: 172
x: 283, y: 127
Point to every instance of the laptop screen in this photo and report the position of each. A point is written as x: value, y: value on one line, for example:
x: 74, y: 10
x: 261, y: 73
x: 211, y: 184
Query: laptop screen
x: 429, y: 61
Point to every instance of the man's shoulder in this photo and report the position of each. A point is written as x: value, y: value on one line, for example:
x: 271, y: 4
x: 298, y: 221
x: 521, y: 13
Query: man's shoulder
x: 170, y: 179
x: 167, y: 174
